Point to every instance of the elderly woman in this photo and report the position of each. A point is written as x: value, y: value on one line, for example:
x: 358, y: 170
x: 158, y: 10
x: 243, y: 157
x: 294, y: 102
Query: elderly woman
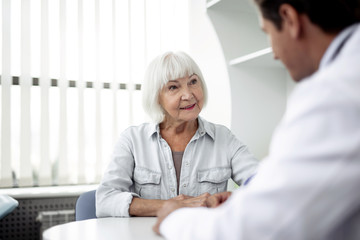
x: 178, y: 157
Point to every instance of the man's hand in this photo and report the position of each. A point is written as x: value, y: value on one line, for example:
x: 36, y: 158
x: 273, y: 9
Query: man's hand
x: 217, y: 199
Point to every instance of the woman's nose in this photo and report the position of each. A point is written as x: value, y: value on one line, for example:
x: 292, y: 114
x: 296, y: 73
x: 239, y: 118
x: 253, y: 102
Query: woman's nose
x: 186, y: 94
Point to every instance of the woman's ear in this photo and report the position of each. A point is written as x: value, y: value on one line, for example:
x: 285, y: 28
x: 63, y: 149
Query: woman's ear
x: 291, y: 21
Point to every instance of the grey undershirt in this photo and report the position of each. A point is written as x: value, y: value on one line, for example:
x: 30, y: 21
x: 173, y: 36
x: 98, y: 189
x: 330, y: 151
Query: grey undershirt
x: 177, y: 158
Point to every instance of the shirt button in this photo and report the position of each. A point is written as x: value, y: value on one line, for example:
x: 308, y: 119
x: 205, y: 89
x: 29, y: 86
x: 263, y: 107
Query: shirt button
x: 184, y: 185
x: 172, y: 189
x: 170, y: 167
x: 186, y: 163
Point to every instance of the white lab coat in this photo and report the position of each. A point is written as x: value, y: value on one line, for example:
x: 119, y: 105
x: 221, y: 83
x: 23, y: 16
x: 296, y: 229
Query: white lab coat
x: 309, y: 185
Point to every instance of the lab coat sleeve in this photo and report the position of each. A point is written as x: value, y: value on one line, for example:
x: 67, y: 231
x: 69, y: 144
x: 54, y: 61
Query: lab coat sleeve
x: 303, y: 190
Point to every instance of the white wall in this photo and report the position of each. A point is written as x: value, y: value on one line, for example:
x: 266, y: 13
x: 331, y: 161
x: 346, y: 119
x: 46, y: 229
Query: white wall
x: 259, y: 100
x: 206, y: 50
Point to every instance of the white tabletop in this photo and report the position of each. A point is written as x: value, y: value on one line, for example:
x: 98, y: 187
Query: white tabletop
x: 133, y: 228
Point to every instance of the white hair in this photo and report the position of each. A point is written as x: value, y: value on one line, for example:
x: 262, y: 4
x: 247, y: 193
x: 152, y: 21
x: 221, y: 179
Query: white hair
x: 166, y: 67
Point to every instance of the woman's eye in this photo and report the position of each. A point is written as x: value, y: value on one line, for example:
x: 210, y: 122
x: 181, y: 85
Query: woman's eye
x: 172, y: 87
x: 193, y: 81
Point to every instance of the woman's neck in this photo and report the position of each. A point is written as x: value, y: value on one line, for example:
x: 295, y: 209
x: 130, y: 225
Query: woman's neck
x: 178, y: 128
x: 178, y: 135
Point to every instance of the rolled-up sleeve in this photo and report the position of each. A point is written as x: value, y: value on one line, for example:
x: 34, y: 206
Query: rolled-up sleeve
x: 114, y: 195
x: 243, y: 163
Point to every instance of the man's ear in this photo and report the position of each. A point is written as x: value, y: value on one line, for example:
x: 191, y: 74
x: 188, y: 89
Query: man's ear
x: 291, y: 21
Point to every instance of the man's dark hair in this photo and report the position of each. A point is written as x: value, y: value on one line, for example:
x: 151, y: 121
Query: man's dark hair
x: 330, y: 15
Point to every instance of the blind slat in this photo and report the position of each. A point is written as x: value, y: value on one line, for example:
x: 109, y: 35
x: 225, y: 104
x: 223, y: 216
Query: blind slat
x: 81, y: 87
x: 63, y: 176
x: 25, y: 178
x: 98, y: 164
x: 130, y: 85
x: 5, y: 177
x: 45, y: 176
x: 115, y: 72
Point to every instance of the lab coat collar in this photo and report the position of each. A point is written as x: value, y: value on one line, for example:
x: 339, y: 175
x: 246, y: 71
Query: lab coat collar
x: 336, y: 45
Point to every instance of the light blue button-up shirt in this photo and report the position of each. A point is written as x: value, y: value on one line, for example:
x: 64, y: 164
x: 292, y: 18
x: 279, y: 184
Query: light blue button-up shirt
x: 142, y: 166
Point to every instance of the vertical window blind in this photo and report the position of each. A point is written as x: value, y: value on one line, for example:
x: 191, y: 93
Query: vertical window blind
x: 71, y: 74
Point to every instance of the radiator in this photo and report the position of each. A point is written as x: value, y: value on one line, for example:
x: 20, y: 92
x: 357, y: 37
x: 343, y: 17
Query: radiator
x: 22, y: 223
x: 48, y: 219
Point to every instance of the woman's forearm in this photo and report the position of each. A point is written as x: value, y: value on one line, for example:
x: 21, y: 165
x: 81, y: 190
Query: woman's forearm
x: 149, y: 207
x: 145, y: 207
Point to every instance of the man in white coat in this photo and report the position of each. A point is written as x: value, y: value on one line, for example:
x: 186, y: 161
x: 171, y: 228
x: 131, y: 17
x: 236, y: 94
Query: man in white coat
x: 309, y: 185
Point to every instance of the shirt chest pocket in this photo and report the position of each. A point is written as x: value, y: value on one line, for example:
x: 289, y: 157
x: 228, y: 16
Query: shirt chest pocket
x: 213, y: 180
x: 147, y: 183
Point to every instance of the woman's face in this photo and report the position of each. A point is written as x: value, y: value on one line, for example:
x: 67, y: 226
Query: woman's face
x: 182, y: 99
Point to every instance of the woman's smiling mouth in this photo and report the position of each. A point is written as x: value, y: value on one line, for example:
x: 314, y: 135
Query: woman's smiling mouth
x: 190, y: 107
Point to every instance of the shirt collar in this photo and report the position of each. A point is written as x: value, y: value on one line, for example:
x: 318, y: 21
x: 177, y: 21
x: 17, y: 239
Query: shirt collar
x: 203, y: 128
x: 153, y: 128
x: 336, y: 45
